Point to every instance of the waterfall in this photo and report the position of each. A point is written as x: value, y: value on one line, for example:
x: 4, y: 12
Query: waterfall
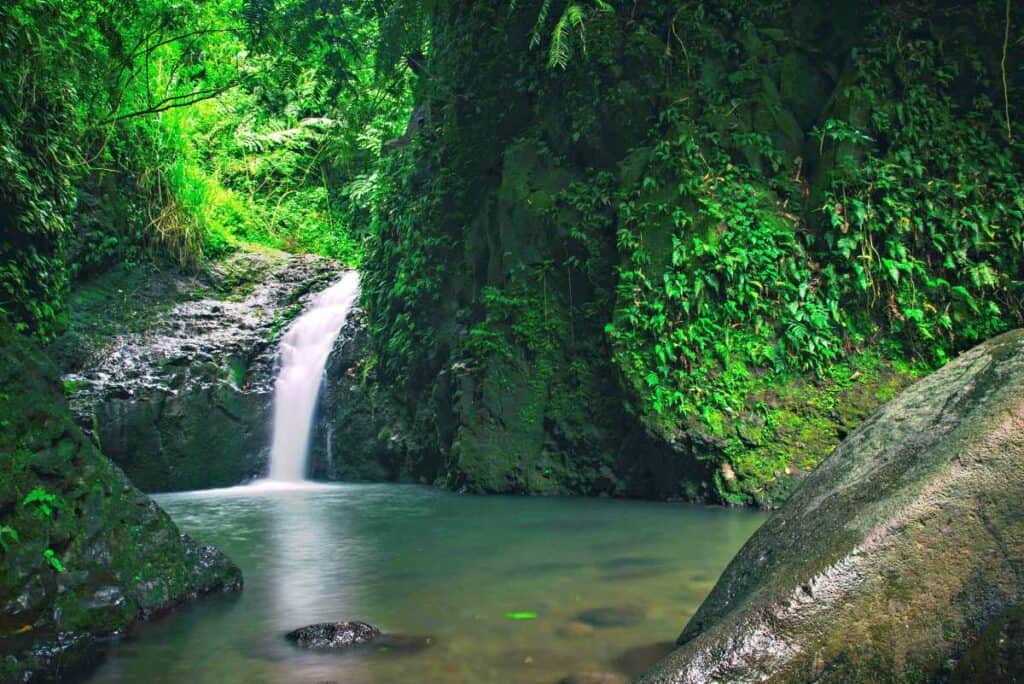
x: 305, y: 347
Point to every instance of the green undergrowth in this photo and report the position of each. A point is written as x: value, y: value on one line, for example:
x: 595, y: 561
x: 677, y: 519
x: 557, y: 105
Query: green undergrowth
x: 747, y: 265
x: 178, y: 133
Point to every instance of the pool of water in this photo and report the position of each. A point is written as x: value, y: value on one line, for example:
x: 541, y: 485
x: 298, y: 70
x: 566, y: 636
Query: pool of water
x: 611, y: 584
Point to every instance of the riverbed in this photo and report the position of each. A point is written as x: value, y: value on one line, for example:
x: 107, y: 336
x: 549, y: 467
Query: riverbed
x: 484, y: 589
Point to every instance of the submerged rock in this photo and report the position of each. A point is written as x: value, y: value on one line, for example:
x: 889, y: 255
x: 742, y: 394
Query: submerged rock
x: 402, y: 644
x: 333, y: 635
x: 576, y: 630
x: 637, y: 660
x: 618, y: 616
x: 891, y: 559
x: 595, y: 678
x: 83, y: 553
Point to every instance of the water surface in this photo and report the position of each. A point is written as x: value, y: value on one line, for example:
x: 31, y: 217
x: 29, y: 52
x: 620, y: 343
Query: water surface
x: 419, y: 561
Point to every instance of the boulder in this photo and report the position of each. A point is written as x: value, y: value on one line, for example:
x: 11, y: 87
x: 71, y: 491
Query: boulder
x: 892, y: 558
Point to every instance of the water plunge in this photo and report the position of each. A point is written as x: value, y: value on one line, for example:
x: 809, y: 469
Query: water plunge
x: 304, y: 350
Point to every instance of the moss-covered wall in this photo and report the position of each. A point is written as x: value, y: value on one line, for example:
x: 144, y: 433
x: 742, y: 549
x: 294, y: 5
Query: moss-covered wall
x: 689, y: 262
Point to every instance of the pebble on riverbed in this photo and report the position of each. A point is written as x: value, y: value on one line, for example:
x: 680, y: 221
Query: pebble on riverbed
x: 595, y: 678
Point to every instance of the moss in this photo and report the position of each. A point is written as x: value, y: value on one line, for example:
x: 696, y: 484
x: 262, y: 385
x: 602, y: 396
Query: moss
x: 791, y: 425
x: 72, y: 386
x: 998, y: 653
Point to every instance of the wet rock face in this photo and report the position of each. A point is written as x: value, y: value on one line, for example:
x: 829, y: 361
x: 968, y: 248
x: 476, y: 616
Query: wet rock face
x: 83, y: 553
x: 184, y: 403
x: 358, y: 435
x: 333, y: 635
x: 894, y: 556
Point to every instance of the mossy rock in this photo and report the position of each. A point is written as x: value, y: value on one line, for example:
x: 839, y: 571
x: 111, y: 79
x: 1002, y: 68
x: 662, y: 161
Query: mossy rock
x: 84, y: 552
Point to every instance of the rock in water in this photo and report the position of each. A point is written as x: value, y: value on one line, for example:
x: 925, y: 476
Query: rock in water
x: 595, y: 678
x: 894, y: 555
x: 332, y: 635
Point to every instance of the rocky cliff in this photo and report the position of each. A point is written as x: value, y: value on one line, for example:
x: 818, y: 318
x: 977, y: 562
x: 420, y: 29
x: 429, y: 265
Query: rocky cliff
x: 173, y: 373
x: 690, y: 258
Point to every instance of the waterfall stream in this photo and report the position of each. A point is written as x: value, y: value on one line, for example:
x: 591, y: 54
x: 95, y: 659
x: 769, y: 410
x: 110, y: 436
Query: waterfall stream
x: 305, y: 347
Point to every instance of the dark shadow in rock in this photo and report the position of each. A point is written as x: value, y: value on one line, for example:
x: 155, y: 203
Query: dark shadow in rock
x: 638, y: 660
x: 611, y: 616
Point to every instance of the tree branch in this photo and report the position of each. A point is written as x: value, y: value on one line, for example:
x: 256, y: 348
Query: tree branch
x: 175, y: 101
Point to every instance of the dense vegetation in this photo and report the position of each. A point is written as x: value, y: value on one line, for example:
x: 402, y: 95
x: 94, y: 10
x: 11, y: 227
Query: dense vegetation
x: 616, y: 247
x: 179, y: 131
x: 761, y: 218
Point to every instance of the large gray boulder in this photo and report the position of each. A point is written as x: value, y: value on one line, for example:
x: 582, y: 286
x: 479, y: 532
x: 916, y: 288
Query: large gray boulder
x: 893, y: 557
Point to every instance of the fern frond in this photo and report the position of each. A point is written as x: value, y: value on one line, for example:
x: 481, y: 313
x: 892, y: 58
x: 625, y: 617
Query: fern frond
x: 561, y: 40
x: 538, y: 27
x: 575, y: 15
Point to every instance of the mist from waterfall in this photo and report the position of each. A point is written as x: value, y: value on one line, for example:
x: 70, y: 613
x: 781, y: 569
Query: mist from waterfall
x: 305, y: 347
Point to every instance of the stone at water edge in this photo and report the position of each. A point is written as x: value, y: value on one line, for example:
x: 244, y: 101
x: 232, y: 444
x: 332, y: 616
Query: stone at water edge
x: 894, y: 555
x: 332, y: 635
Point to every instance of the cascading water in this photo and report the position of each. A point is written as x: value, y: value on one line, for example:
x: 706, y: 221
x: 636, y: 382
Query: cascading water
x: 304, y: 350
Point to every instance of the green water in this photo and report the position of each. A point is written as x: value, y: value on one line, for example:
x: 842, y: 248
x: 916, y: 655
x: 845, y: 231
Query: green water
x: 419, y: 561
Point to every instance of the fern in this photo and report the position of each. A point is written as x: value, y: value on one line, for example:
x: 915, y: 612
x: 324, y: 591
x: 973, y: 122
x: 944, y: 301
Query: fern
x: 561, y: 46
x: 572, y: 19
x: 538, y: 26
